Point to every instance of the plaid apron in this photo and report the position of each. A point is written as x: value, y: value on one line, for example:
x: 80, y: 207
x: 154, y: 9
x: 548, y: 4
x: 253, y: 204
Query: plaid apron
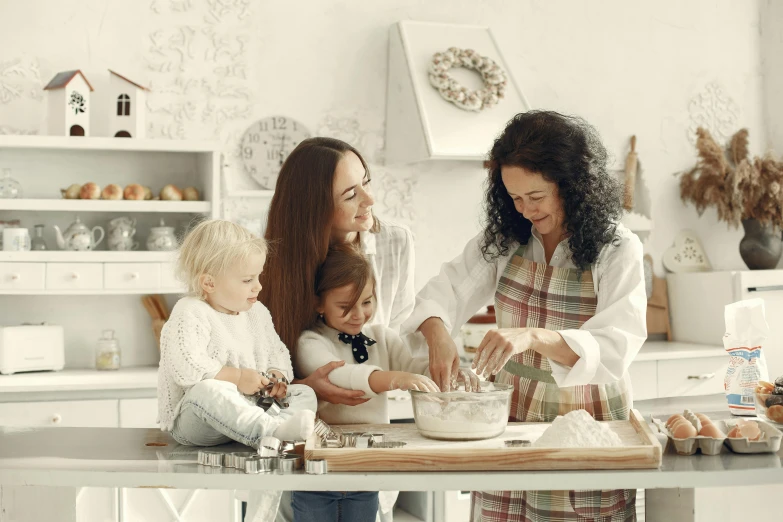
x: 536, y: 295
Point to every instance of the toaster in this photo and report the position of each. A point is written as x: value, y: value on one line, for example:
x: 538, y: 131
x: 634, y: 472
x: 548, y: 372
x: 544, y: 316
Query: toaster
x: 31, y: 348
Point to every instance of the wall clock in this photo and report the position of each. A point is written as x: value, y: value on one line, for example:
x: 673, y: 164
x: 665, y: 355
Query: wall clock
x: 266, y: 144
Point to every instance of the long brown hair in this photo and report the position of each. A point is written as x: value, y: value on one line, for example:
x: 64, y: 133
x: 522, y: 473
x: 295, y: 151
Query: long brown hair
x: 298, y: 231
x: 345, y: 265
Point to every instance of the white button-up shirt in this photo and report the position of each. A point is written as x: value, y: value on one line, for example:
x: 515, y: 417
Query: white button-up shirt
x: 391, y: 255
x: 606, y: 343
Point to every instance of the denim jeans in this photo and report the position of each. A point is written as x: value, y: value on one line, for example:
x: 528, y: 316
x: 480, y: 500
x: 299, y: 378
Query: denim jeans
x: 215, y: 412
x: 337, y: 506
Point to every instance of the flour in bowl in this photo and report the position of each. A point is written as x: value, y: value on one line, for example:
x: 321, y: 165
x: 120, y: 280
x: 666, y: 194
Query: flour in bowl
x: 578, y: 429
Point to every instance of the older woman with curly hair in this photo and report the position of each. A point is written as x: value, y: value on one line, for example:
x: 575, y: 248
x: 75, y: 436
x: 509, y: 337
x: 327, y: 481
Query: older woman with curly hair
x: 568, y: 286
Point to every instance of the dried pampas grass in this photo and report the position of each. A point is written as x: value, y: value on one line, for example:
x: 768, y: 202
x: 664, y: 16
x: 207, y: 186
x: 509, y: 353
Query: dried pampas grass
x: 738, y: 187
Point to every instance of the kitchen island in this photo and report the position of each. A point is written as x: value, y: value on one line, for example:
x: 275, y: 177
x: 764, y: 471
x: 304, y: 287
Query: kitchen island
x: 66, y: 459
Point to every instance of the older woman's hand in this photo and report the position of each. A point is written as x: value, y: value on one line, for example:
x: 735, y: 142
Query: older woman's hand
x: 444, y: 358
x: 326, y: 391
x: 498, y: 346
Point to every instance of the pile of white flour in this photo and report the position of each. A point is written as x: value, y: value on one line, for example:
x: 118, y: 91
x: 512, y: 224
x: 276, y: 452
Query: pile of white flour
x: 577, y: 429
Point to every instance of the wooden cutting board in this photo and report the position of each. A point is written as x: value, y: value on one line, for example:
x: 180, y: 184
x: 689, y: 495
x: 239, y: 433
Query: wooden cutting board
x: 640, y: 449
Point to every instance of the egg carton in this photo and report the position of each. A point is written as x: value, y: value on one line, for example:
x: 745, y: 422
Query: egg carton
x: 771, y: 438
x: 769, y: 443
x: 689, y: 446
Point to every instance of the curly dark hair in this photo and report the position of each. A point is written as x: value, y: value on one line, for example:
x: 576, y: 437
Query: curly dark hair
x: 565, y: 150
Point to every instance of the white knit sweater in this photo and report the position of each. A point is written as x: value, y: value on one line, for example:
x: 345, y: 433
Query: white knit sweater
x: 321, y: 345
x: 197, y: 342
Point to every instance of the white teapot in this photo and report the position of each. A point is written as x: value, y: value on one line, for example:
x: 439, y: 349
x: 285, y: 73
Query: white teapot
x: 78, y: 237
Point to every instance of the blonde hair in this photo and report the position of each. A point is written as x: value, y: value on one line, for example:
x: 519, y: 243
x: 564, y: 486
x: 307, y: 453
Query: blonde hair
x: 213, y: 247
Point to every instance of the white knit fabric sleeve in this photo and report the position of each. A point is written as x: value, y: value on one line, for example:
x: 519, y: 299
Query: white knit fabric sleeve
x: 183, y: 346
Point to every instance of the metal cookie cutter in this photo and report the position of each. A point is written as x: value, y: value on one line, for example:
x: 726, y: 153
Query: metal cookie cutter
x: 238, y: 458
x: 316, y: 467
x: 210, y: 458
x: 272, y: 405
x: 259, y: 464
x: 288, y: 463
x: 329, y: 437
x: 517, y: 443
x: 269, y: 447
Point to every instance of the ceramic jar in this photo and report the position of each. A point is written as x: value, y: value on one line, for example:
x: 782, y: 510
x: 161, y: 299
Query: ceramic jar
x: 121, y: 232
x: 162, y: 238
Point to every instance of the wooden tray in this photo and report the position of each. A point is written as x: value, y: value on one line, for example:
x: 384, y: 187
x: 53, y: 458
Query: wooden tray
x: 640, y: 450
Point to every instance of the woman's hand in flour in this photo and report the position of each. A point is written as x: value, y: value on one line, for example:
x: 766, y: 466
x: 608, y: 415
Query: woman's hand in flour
x: 498, y: 346
x: 469, y: 380
x: 444, y: 358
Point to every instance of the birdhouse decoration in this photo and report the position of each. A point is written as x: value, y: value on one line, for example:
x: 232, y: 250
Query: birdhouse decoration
x: 127, y: 107
x: 68, y: 104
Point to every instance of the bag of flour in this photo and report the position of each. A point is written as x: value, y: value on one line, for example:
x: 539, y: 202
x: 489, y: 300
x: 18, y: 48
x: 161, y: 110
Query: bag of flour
x: 746, y: 333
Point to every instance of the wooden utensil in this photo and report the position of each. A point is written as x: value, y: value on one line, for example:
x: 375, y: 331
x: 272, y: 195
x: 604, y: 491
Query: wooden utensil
x: 149, y: 306
x: 631, y: 163
x: 161, y: 305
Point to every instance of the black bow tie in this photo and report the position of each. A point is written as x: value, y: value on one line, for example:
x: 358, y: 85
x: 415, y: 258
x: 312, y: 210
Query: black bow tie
x: 359, y: 343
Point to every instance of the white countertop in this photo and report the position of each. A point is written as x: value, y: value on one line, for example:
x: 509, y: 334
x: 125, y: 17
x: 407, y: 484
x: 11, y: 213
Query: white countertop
x: 115, y: 457
x: 142, y: 377
x: 663, y: 350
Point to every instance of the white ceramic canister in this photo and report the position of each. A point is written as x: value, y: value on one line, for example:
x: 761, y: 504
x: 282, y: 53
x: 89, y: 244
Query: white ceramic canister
x: 16, y: 239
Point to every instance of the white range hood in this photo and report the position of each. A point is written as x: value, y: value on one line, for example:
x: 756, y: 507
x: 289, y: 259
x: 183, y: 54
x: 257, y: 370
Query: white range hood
x: 420, y: 124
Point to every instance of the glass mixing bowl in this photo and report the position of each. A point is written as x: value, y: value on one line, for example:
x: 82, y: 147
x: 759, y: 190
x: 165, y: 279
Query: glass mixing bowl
x: 461, y: 415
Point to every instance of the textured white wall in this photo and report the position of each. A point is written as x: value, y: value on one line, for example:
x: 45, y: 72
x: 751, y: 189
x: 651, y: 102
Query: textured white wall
x: 772, y: 63
x: 651, y: 69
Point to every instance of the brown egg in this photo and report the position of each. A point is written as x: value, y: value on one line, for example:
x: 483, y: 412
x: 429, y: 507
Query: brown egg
x: 703, y: 418
x: 712, y: 431
x: 674, y: 418
x: 683, y: 430
x: 735, y: 433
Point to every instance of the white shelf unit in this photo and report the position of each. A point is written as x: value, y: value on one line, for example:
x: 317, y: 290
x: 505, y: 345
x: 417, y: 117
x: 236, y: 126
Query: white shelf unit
x: 134, y: 378
x: 45, y: 164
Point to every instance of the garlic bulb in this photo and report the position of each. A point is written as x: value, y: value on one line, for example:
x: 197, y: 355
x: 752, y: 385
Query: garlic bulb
x: 71, y: 192
x: 111, y: 191
x: 171, y: 193
x: 191, y: 194
x: 90, y: 191
x: 134, y: 191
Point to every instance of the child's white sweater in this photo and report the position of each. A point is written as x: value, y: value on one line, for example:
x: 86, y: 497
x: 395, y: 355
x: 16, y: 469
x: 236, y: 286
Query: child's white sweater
x: 321, y: 345
x: 197, y: 342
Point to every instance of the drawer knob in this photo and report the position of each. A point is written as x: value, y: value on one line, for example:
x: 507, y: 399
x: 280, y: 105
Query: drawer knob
x: 134, y: 275
x: 702, y: 377
x: 74, y: 275
x: 56, y: 418
x: 15, y: 277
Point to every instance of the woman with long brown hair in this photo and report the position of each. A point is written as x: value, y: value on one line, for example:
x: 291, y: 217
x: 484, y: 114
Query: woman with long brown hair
x: 323, y: 197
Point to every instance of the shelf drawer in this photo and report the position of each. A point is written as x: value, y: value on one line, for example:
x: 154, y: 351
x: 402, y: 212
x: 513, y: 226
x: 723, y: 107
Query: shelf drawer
x: 81, y: 414
x: 74, y: 276
x: 131, y: 275
x: 644, y: 380
x: 691, y: 377
x: 168, y: 278
x: 22, y: 276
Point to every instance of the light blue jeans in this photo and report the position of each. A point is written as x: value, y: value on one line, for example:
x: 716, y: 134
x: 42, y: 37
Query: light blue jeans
x: 337, y: 506
x: 215, y: 412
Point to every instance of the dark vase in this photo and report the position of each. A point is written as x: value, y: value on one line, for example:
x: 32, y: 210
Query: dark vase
x: 761, y: 245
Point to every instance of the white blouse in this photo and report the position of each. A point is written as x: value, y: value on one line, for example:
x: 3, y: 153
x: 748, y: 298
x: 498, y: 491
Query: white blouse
x: 606, y: 343
x: 391, y: 255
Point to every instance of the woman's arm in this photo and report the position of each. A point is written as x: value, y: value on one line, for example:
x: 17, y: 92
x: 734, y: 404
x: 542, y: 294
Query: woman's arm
x: 326, y: 391
x: 446, y: 302
x: 603, y: 348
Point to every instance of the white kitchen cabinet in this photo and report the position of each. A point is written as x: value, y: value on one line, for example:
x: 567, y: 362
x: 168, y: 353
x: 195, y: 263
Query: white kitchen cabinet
x: 644, y: 380
x: 22, y: 276
x: 118, y: 276
x: 90, y: 413
x: 138, y: 413
x: 168, y: 277
x: 691, y: 377
x: 74, y: 276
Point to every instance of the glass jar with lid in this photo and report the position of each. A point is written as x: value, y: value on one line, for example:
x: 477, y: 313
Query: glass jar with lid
x: 107, y: 356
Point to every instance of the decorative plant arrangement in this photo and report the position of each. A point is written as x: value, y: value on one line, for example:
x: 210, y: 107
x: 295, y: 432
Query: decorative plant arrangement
x: 493, y: 76
x: 134, y: 191
x: 743, y: 190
